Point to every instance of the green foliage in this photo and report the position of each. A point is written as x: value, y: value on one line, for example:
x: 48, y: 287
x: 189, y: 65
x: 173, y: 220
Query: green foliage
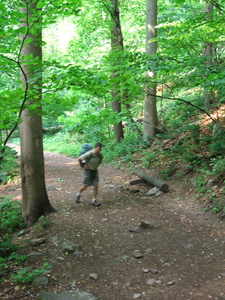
x: 27, y: 275
x: 177, y: 114
x: 7, y: 247
x: 216, y: 201
x: 77, y: 80
x: 218, y: 207
x: 8, y: 108
x: 186, y: 31
x: 218, y: 143
x: 77, y: 84
x: 10, y: 220
x: 62, y: 143
x: 89, y: 121
x: 214, y: 169
x: 194, y: 130
x: 11, y: 258
x: 218, y: 165
x: 124, y: 150
x: 147, y: 158
x: 17, y: 257
x: 11, y: 216
x: 9, y: 165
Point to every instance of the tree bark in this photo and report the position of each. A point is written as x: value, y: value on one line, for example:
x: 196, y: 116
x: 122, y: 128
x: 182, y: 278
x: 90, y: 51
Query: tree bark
x: 150, y: 111
x: 116, y: 46
x: 161, y: 185
x: 208, y: 53
x: 35, y: 198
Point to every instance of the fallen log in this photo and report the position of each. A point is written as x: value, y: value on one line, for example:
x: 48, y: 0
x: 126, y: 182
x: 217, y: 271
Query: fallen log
x: 161, y: 185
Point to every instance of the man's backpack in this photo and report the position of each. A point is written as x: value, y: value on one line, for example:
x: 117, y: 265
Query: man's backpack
x: 85, y: 148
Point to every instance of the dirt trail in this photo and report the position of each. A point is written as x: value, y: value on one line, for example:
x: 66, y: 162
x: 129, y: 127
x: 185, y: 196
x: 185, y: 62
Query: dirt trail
x: 182, y: 258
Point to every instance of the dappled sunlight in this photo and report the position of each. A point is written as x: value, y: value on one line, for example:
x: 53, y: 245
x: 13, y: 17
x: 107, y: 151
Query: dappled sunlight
x: 217, y: 115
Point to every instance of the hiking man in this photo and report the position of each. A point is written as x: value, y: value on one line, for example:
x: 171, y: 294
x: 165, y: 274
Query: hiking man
x: 90, y: 162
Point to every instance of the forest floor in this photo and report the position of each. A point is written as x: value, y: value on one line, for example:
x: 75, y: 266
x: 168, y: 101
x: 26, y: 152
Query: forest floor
x: 117, y: 259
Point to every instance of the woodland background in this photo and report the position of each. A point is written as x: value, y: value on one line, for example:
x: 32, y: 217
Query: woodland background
x: 145, y: 78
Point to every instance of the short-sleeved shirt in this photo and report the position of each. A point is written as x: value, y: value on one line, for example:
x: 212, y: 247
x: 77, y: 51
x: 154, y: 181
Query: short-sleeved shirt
x: 93, y: 159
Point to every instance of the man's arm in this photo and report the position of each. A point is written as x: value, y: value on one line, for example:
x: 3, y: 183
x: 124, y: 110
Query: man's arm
x: 85, y: 157
x: 80, y: 162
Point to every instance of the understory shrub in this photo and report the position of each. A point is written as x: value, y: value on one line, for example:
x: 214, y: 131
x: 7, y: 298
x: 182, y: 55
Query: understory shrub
x: 62, y: 143
x: 27, y: 275
x: 11, y: 215
x: 124, y: 150
x: 9, y: 164
x: 10, y: 220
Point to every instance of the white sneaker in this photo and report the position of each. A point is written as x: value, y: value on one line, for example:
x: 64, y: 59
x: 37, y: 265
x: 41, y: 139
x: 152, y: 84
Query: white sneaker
x: 95, y: 203
x: 77, y: 199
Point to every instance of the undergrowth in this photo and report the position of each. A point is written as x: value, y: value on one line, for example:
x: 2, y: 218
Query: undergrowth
x: 27, y: 275
x: 9, y: 165
x: 11, y: 261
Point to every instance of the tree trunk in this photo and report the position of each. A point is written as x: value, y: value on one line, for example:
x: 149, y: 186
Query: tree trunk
x: 35, y: 198
x: 208, y: 53
x: 150, y: 111
x: 150, y: 114
x: 116, y: 46
x: 117, y: 128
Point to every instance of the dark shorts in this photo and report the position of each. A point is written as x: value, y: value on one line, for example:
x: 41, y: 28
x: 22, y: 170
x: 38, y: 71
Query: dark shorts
x: 90, y: 177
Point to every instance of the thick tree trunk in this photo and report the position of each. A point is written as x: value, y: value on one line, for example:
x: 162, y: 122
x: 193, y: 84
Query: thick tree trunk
x: 35, y: 198
x: 161, y: 185
x: 150, y: 111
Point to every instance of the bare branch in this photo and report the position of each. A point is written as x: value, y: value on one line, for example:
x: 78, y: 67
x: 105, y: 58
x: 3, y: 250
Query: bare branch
x: 185, y: 101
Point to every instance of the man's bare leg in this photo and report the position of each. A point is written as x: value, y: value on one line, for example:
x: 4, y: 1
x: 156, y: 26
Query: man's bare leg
x: 95, y: 194
x: 77, y: 199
